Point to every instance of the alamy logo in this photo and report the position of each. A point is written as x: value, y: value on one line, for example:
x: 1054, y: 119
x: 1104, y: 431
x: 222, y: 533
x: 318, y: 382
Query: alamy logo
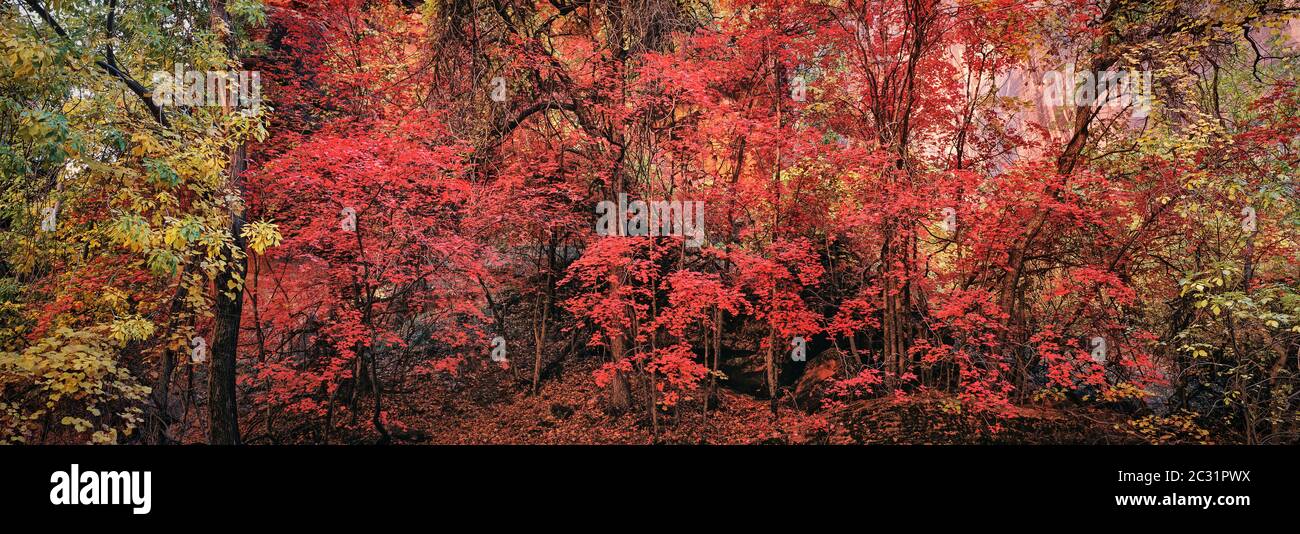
x: 949, y: 223
x: 1119, y: 89
x: 1097, y: 346
x: 184, y: 87
x: 50, y: 220
x: 498, y: 349
x: 199, y: 353
x: 655, y: 218
x: 102, y: 487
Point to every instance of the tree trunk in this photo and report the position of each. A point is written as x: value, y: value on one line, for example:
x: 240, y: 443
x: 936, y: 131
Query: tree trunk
x: 223, y: 413
x: 893, y: 323
x: 769, y: 361
x: 541, y: 316
x: 156, y: 432
x: 620, y: 396
x: 377, y: 391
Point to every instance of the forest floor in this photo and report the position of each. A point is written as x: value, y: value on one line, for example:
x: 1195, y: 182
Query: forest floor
x: 568, y: 410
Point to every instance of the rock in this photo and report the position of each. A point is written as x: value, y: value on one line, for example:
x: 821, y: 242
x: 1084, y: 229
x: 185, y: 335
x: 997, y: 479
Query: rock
x: 745, y: 373
x: 818, y: 375
x: 742, y: 360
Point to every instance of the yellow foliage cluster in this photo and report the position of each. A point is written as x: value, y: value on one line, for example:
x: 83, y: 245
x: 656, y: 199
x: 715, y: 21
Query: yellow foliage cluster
x: 1160, y: 430
x: 1122, y: 391
x: 72, y: 372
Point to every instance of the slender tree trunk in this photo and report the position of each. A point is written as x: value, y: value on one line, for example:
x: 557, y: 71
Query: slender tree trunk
x: 769, y: 360
x: 620, y: 397
x: 893, y: 320
x: 377, y: 391
x: 618, y: 391
x: 717, y: 354
x: 541, y: 316
x: 156, y: 432
x: 223, y: 413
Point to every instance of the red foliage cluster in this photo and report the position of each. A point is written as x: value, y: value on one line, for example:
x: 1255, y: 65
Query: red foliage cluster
x: 826, y: 141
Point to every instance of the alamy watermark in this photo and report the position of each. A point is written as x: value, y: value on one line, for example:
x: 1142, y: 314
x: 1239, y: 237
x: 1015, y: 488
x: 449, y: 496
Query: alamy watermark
x: 49, y: 219
x: 1248, y: 220
x: 348, y: 219
x: 188, y: 87
x: 655, y: 218
x: 199, y: 352
x: 1097, y: 348
x: 498, y: 93
x: 1119, y: 89
x: 132, y: 488
x: 949, y: 222
x: 498, y: 349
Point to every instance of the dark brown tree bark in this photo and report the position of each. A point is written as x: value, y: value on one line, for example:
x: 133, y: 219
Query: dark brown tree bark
x: 223, y: 411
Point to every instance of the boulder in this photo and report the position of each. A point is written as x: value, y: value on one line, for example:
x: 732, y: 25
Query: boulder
x: 818, y: 375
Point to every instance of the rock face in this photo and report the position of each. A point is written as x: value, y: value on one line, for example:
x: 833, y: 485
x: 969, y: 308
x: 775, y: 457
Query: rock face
x: 818, y: 375
x: 745, y: 373
x: 742, y: 360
